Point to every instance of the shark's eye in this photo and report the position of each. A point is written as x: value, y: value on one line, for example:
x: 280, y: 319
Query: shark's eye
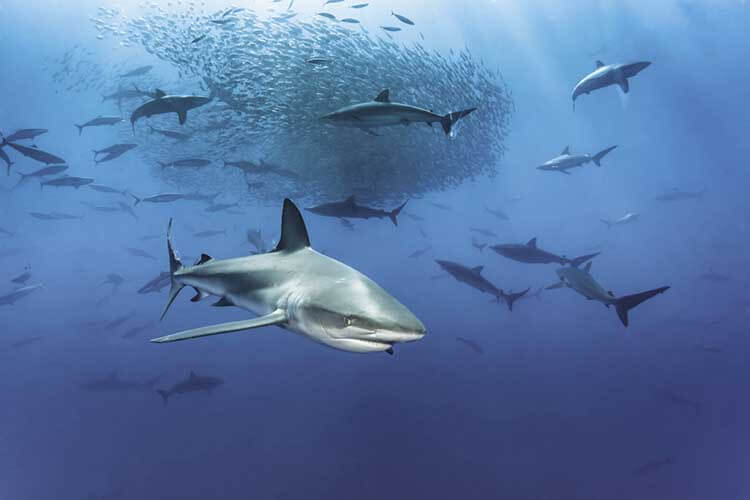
x: 348, y: 321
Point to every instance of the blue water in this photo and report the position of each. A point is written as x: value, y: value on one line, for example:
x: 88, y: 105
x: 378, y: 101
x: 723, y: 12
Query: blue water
x: 564, y: 402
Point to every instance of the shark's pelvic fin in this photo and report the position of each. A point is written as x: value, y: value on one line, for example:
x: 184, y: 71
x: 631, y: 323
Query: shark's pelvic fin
x: 274, y: 318
x: 293, y: 230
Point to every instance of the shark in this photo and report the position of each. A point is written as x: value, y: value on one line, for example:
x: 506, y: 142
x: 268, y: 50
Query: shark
x: 164, y: 103
x: 565, y: 160
x: 19, y: 293
x: 381, y: 112
x: 472, y: 276
x: 348, y: 209
x: 298, y: 289
x: 625, y: 219
x: 530, y: 253
x: 581, y: 281
x: 605, y: 75
x: 193, y: 383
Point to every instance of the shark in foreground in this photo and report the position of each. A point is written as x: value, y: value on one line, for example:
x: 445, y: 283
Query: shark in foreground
x: 164, y: 103
x: 298, y: 289
x: 605, y: 75
x: 582, y: 282
x: 381, y: 112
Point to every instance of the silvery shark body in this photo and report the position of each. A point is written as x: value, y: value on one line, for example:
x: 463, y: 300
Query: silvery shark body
x: 17, y: 294
x: 608, y: 74
x: 625, y: 219
x: 381, y: 112
x: 301, y: 290
x: 582, y: 282
x: 566, y: 160
x: 163, y: 103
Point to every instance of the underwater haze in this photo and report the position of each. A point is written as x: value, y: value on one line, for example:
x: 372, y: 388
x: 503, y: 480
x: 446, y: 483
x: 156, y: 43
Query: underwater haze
x: 465, y: 250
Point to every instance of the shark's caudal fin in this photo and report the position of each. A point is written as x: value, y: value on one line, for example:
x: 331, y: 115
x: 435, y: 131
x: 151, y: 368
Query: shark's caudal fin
x: 628, y: 302
x: 510, y: 298
x: 394, y: 213
x: 174, y: 266
x: 583, y: 258
x: 80, y: 129
x: 135, y: 198
x: 609, y: 224
x: 450, y: 119
x: 601, y: 154
x: 164, y: 395
x: 293, y: 230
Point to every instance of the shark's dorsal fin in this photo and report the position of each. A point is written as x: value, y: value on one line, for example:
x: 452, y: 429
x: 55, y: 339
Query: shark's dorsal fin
x: 384, y: 96
x: 293, y: 230
x: 159, y: 93
x: 610, y: 293
x: 587, y: 267
x: 192, y: 374
x: 566, y: 151
x: 478, y: 269
x: 532, y: 243
x: 350, y: 200
x: 599, y: 64
x: 203, y: 259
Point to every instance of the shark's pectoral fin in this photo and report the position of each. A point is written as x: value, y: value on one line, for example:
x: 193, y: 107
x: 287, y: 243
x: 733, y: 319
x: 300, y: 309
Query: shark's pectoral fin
x: 182, y: 115
x: 274, y: 318
x: 559, y: 284
x: 623, y: 83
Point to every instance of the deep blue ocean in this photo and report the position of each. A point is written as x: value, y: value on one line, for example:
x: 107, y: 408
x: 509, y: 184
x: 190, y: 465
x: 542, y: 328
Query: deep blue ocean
x: 554, y: 400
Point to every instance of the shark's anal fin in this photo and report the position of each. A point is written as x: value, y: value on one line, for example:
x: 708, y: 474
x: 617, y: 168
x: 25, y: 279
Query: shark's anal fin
x: 222, y: 302
x: 274, y: 318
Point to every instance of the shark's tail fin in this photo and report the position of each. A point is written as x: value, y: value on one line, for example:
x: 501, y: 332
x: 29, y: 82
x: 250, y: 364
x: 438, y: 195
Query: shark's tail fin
x: 601, y: 154
x: 164, y: 395
x: 628, y: 302
x: 150, y: 129
x: 510, y: 298
x: 609, y: 224
x: 161, y: 164
x: 136, y: 199
x: 80, y: 129
x: 583, y: 258
x: 174, y: 266
x: 451, y: 118
x: 394, y: 213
